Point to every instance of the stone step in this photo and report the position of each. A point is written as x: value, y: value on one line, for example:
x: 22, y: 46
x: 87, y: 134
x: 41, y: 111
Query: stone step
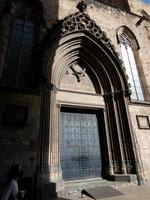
x: 70, y: 189
x: 75, y: 187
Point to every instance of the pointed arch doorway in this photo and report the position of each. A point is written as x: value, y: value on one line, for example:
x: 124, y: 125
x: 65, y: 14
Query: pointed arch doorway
x: 82, y: 70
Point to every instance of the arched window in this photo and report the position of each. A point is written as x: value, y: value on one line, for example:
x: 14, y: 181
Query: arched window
x: 19, y: 67
x: 127, y: 49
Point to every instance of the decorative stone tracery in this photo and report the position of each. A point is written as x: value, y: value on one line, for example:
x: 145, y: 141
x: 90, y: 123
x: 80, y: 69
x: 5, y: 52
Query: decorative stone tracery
x: 82, y: 22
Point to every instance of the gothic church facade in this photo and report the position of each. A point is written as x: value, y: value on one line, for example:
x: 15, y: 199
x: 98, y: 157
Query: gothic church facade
x: 74, y: 90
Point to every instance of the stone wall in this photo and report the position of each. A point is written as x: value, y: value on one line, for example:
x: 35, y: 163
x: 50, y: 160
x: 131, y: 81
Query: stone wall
x: 110, y: 19
x: 2, y: 6
x: 19, y: 144
x: 141, y: 135
x: 19, y: 141
x: 138, y: 5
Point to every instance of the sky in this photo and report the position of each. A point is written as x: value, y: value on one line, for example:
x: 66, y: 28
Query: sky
x: 147, y: 1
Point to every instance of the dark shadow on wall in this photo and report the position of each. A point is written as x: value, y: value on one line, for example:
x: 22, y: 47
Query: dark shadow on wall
x: 49, y: 19
x: 122, y: 4
x: 42, y: 187
x: 14, y: 151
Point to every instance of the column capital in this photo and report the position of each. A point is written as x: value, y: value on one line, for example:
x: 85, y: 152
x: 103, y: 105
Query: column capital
x: 50, y: 86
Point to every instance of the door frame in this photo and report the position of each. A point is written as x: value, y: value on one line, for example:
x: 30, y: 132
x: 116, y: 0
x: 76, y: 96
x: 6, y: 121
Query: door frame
x: 101, y: 131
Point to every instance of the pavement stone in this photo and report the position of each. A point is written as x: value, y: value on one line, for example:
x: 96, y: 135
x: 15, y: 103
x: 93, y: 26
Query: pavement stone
x: 132, y: 192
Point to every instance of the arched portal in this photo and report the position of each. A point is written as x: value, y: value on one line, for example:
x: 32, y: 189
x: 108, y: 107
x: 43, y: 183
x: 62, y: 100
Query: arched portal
x: 82, y: 75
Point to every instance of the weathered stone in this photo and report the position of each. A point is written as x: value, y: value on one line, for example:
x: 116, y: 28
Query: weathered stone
x: 80, y: 67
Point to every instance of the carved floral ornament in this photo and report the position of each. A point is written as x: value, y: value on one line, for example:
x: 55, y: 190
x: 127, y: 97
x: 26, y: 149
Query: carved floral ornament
x: 75, y: 70
x: 81, y: 21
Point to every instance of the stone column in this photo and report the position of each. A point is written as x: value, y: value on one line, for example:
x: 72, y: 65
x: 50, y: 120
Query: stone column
x: 109, y: 164
x: 120, y: 127
x: 43, y: 168
x: 137, y: 161
x: 54, y: 158
x: 49, y: 176
x: 115, y: 134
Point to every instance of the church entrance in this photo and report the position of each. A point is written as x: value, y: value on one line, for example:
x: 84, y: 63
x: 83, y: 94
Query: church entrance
x: 80, y: 155
x: 81, y: 69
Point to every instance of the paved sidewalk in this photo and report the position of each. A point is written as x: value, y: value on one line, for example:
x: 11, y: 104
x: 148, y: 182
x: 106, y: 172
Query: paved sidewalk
x: 134, y: 193
x: 127, y: 193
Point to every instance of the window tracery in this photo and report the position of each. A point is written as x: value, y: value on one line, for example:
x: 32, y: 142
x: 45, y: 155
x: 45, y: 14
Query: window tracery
x: 19, y: 70
x: 130, y: 66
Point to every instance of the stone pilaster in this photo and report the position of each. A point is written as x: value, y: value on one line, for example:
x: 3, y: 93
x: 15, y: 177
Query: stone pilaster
x: 137, y: 161
x: 49, y: 172
x: 115, y: 134
x: 109, y: 166
x: 120, y: 128
x: 54, y: 158
x: 43, y: 169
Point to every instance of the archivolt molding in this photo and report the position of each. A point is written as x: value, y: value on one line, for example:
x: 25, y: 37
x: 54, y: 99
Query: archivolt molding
x: 65, y: 38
